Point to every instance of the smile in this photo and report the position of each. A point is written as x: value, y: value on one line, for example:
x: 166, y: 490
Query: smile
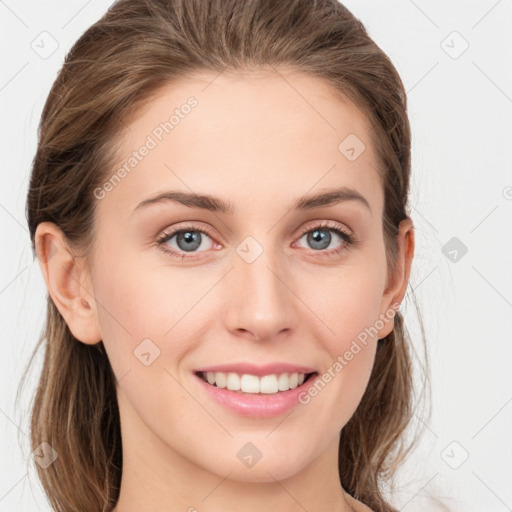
x: 252, y: 384
x: 267, y: 396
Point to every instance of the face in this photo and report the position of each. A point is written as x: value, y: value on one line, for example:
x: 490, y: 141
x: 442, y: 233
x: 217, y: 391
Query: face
x: 265, y: 281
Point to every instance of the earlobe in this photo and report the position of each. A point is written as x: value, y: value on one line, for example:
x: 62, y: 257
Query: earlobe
x: 395, y: 291
x: 67, y: 282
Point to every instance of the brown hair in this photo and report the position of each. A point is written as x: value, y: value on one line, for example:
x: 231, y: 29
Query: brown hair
x: 114, y: 68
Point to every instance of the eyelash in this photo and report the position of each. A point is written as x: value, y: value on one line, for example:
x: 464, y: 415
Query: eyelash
x: 348, y: 239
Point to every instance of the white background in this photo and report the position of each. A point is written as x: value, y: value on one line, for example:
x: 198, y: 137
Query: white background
x: 461, y: 115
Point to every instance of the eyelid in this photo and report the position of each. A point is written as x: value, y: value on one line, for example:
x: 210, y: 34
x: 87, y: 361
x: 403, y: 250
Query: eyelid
x: 186, y: 226
x: 318, y: 223
x: 310, y: 225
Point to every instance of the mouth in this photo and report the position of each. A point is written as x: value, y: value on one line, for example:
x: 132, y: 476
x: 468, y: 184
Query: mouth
x: 247, y: 384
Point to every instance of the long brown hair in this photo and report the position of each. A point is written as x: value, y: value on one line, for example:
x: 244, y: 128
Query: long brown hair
x: 114, y: 68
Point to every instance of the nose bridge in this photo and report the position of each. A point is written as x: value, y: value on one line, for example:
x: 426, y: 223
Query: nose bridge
x: 263, y: 303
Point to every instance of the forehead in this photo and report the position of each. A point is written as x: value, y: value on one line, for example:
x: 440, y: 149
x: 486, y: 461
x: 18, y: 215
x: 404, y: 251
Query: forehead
x: 247, y: 135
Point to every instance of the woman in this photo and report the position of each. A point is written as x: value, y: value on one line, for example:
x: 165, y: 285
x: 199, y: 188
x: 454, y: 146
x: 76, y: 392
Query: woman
x: 266, y: 366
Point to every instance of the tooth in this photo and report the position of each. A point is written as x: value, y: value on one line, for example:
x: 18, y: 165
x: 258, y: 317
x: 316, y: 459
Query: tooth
x: 220, y: 379
x: 233, y: 382
x: 247, y: 383
x: 294, y: 380
x: 282, y: 382
x: 268, y: 384
x: 250, y: 383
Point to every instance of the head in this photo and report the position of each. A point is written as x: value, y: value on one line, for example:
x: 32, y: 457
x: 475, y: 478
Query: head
x: 261, y: 106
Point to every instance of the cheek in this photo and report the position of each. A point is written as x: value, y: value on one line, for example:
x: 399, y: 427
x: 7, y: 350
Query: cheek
x: 147, y: 314
x: 348, y: 302
x: 131, y: 310
x: 136, y: 313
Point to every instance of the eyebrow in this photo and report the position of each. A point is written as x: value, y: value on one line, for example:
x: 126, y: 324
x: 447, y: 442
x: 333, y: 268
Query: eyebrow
x: 215, y: 204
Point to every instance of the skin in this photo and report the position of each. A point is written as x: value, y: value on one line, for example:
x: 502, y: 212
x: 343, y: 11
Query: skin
x: 254, y: 141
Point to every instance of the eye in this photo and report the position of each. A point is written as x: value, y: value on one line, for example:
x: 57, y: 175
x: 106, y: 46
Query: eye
x: 187, y: 240
x: 319, y: 238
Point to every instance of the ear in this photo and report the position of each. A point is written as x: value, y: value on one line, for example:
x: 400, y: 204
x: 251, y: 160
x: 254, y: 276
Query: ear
x: 397, y: 284
x: 68, y: 282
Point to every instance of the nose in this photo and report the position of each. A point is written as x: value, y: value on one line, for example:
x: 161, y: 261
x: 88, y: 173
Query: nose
x: 261, y: 303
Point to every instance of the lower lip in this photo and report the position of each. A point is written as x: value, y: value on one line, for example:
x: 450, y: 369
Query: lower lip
x: 257, y: 405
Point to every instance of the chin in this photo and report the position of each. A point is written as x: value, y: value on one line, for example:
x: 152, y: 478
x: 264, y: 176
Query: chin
x: 263, y: 472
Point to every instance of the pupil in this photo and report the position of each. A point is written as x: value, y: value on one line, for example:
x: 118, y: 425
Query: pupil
x: 190, y: 237
x: 316, y: 237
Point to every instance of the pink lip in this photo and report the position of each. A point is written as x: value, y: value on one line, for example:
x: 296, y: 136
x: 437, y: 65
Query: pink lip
x: 259, y: 371
x: 257, y: 405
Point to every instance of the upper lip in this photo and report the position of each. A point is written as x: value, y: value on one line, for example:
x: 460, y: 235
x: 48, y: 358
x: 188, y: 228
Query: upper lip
x: 253, y: 369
